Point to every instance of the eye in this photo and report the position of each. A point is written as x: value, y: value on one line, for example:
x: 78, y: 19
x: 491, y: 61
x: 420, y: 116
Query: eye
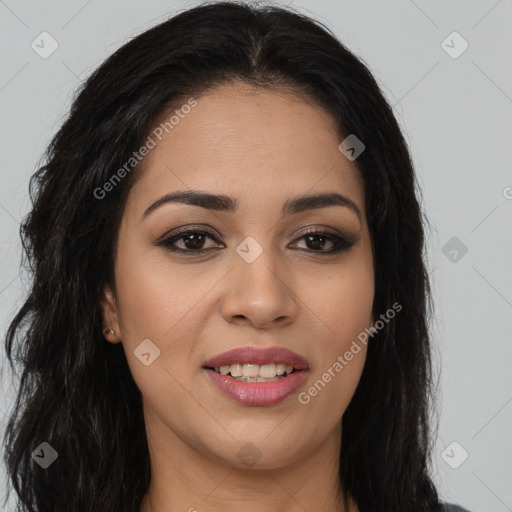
x: 315, y: 241
x: 192, y: 240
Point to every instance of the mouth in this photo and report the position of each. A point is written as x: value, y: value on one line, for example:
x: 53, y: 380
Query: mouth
x: 250, y: 372
x: 257, y: 376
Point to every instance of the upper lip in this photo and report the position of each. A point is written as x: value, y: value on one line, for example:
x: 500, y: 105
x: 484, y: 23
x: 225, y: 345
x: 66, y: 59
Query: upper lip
x: 258, y: 355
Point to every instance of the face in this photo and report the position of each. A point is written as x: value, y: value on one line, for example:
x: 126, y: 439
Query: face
x: 288, y: 283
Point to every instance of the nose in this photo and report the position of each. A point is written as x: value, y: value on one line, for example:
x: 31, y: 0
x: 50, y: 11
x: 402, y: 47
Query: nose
x: 259, y: 293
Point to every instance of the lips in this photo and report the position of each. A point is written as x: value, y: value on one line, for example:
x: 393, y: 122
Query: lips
x: 252, y: 391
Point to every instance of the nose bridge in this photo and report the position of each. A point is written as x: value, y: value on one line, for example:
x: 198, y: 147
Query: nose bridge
x: 258, y: 264
x: 257, y: 291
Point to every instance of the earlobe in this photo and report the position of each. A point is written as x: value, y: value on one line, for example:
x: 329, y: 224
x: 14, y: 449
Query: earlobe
x: 109, y: 317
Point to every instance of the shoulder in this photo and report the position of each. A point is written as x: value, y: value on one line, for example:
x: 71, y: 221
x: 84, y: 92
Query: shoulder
x: 450, y: 507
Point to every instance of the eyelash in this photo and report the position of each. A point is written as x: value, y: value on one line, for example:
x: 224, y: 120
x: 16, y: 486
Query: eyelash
x: 340, y: 243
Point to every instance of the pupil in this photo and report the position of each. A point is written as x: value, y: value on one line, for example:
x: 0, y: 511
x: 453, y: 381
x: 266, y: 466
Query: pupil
x: 198, y: 244
x: 315, y: 245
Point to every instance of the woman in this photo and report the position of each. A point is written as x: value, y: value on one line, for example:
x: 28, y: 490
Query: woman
x: 229, y: 305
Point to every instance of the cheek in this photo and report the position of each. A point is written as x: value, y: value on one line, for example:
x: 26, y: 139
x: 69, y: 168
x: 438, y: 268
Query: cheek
x: 157, y: 309
x: 166, y: 306
x: 344, y: 303
x: 345, y: 308
x: 155, y: 296
x: 350, y: 311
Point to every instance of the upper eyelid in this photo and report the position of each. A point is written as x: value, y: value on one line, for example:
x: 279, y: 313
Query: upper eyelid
x: 315, y: 229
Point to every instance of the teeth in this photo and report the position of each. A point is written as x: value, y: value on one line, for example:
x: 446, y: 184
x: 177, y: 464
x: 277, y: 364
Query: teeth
x: 251, y: 370
x: 236, y: 370
x: 268, y: 371
x: 255, y: 372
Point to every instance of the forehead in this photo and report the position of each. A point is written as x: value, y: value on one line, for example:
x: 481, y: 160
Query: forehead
x: 255, y: 144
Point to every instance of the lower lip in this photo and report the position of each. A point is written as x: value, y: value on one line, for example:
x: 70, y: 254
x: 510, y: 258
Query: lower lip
x: 257, y: 394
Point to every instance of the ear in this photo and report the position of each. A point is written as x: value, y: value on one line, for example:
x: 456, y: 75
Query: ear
x: 110, y: 321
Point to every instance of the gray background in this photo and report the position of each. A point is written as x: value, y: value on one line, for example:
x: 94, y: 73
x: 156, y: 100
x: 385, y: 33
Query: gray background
x: 456, y: 115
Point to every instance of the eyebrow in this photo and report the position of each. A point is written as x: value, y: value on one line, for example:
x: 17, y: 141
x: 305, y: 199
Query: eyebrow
x: 223, y: 203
